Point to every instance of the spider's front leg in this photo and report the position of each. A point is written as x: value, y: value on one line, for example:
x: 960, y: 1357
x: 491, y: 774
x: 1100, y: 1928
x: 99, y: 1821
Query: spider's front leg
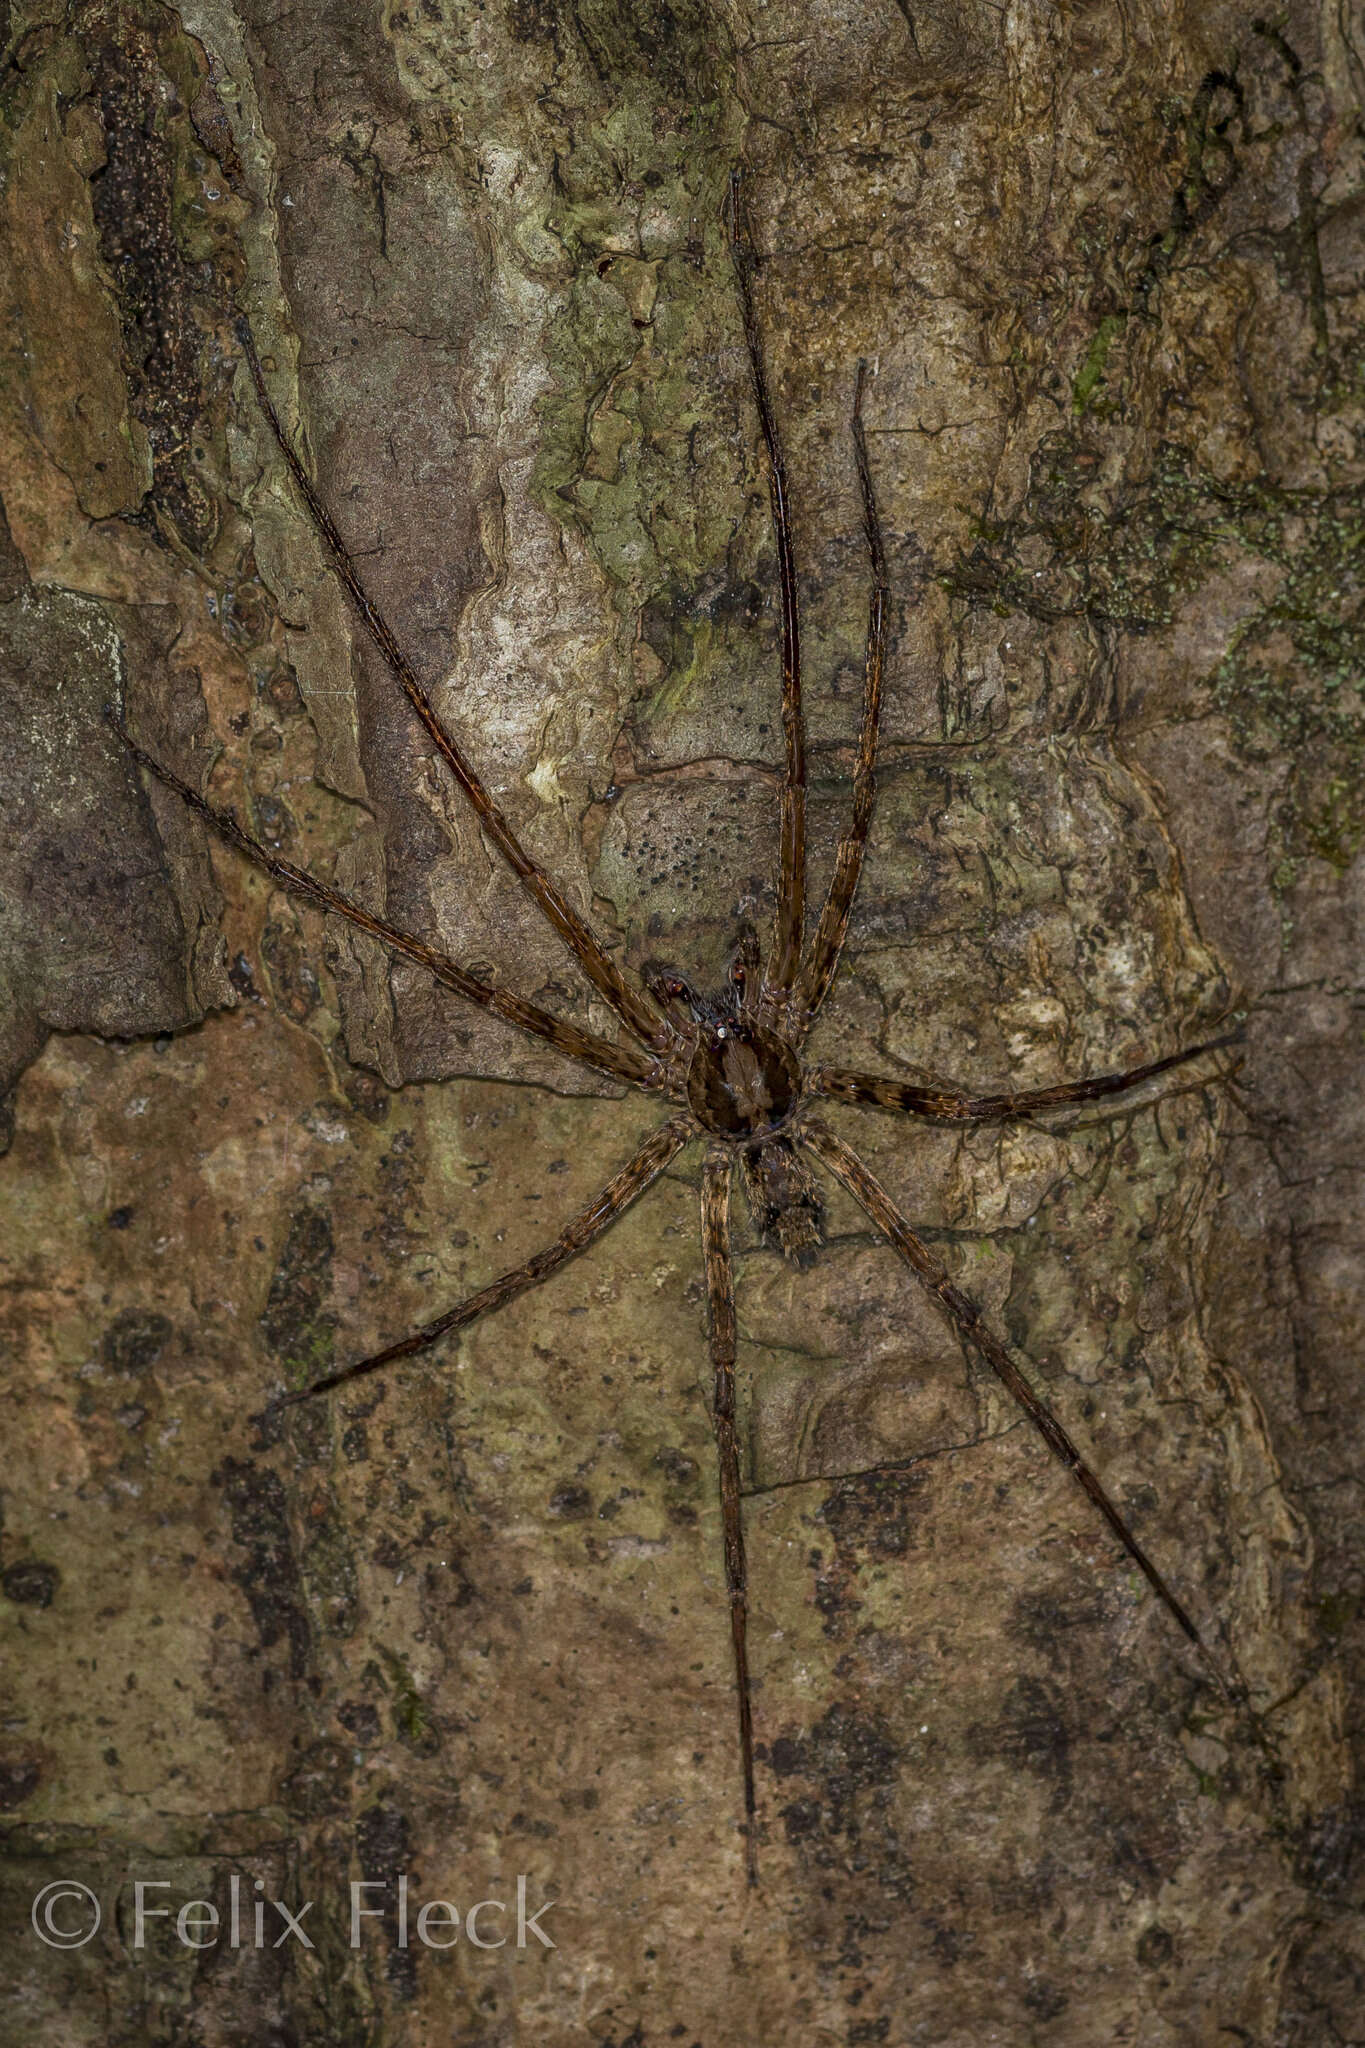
x: 817, y: 975
x: 785, y: 964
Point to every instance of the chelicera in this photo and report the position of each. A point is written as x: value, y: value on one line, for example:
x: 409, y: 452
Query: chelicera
x: 731, y: 1065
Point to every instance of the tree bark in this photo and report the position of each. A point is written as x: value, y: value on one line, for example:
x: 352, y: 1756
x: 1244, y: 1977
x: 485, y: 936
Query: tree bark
x: 466, y: 1622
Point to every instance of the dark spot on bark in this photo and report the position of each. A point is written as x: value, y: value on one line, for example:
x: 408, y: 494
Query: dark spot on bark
x: 383, y: 1850
x: 269, y: 1574
x: 166, y: 303
x: 367, y: 1095
x: 321, y: 1784
x: 1030, y: 1732
x: 135, y: 1340
x: 31, y: 1584
x: 361, y: 1720
x: 19, y: 1780
x: 679, y: 1468
x: 1045, y: 1999
x: 293, y: 1325
x: 874, y: 1513
x: 571, y: 1502
x: 120, y: 1218
x: 1155, y: 1947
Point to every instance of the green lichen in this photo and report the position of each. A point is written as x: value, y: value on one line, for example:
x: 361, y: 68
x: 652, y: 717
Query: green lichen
x: 412, y: 1723
x: 636, y: 451
x: 1074, y: 551
x: 1295, y: 666
x: 1289, y: 681
x: 630, y: 453
x: 1092, y: 370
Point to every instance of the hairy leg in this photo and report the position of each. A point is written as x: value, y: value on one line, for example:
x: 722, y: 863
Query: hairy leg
x: 622, y: 1062
x: 817, y: 976
x: 720, y: 1288
x: 874, y: 1200
x: 630, y: 1005
x: 580, y: 1231
x: 954, y: 1105
x: 785, y: 963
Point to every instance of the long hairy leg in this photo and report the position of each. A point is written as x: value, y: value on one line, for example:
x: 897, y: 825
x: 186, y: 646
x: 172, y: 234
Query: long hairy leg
x: 633, y: 1008
x: 622, y: 1062
x: 954, y: 1105
x: 817, y: 976
x: 876, y: 1203
x: 580, y: 1231
x: 720, y: 1288
x: 785, y: 964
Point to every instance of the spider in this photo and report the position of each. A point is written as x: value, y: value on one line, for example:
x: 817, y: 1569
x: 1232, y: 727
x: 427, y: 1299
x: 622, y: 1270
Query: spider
x: 729, y: 1062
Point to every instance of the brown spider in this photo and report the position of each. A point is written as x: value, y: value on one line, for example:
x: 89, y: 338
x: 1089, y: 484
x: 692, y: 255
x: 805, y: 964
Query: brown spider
x: 731, y: 1063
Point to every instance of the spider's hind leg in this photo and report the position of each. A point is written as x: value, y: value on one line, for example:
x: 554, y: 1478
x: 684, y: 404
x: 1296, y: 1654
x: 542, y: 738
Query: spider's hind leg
x: 720, y: 1287
x: 625, y: 1187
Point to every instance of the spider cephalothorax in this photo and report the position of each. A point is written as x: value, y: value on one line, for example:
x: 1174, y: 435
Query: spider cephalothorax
x: 743, y: 1081
x: 731, y: 1065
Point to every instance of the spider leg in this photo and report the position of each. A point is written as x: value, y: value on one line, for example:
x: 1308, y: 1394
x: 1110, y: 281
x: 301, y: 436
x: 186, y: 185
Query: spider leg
x: 817, y: 976
x: 954, y: 1105
x: 581, y: 1230
x: 622, y: 1062
x: 630, y: 1005
x: 720, y: 1288
x: 791, y: 891
x: 874, y: 1200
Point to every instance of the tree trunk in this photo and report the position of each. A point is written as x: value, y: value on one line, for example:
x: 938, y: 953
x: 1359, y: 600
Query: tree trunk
x: 465, y: 1622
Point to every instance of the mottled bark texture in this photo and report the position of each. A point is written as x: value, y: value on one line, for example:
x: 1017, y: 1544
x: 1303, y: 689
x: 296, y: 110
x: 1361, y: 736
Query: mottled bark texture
x: 1105, y: 261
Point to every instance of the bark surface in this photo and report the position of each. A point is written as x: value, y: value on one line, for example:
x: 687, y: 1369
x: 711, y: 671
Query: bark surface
x: 467, y: 1623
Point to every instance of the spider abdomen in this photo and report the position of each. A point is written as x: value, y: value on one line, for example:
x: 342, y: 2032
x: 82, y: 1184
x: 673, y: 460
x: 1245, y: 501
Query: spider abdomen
x: 783, y: 1198
x: 743, y: 1080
